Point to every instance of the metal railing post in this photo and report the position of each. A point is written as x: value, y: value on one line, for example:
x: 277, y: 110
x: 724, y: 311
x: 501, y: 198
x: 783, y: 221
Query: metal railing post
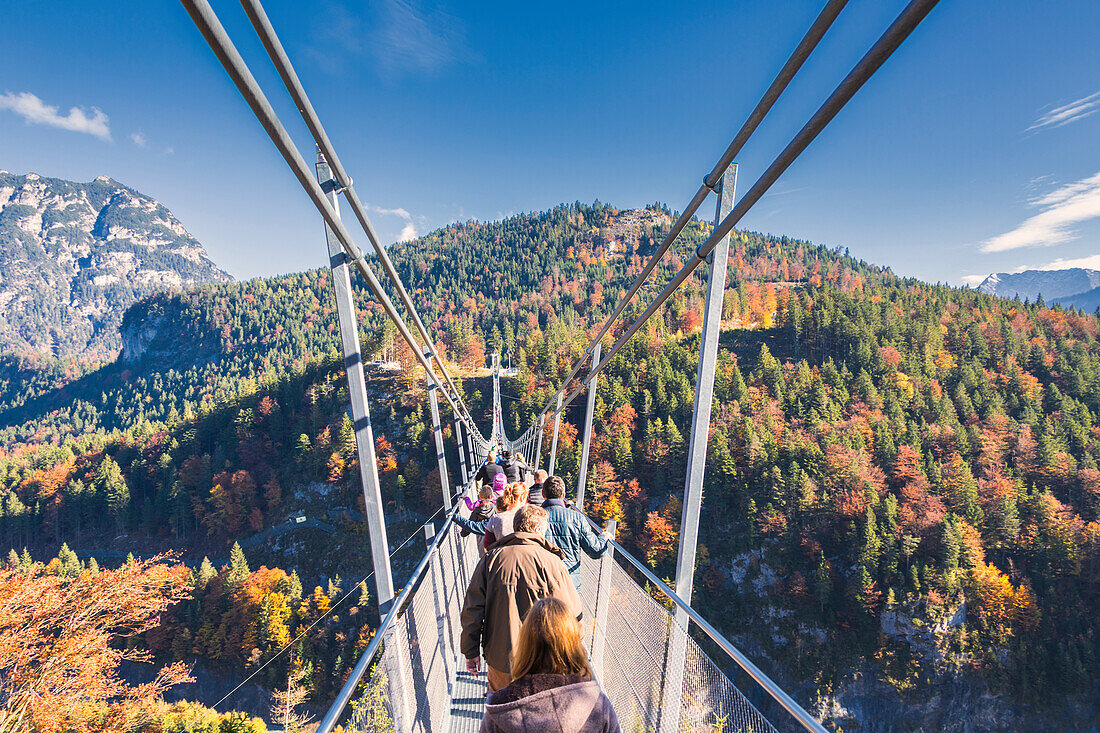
x: 459, y: 444
x: 554, y: 443
x: 697, y: 457
x: 603, y: 593
x: 360, y: 408
x: 437, y: 431
x: 588, y: 410
x: 538, y: 454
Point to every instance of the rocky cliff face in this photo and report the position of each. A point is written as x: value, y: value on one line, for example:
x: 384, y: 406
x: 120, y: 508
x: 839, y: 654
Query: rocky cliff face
x: 75, y: 256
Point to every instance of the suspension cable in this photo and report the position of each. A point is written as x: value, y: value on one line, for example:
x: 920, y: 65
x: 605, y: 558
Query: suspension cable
x: 898, y: 31
x: 214, y: 33
x: 797, y: 58
x: 274, y: 47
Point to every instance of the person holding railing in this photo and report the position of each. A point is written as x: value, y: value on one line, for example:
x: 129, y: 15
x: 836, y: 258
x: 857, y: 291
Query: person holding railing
x: 552, y: 688
x: 499, y: 524
x: 522, y: 569
x: 480, y: 511
x: 570, y: 530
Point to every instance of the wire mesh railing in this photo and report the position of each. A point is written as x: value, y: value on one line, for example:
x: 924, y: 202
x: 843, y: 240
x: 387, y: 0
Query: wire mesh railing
x: 411, y: 683
x: 638, y: 650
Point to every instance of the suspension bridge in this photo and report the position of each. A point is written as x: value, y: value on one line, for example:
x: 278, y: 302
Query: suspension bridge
x: 643, y: 651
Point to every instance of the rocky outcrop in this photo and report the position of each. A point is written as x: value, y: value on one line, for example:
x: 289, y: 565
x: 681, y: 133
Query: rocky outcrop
x: 75, y: 256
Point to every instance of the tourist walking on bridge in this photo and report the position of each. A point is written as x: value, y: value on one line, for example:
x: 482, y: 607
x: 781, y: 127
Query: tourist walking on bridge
x: 552, y: 689
x: 522, y: 569
x: 534, y: 494
x: 570, y: 530
x: 488, y: 470
x: 514, y: 467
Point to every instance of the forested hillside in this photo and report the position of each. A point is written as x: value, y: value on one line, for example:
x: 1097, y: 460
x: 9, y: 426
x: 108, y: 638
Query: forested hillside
x: 902, y: 478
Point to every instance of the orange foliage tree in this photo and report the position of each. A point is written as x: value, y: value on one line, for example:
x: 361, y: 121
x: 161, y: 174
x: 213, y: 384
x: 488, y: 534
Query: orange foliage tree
x: 58, y: 653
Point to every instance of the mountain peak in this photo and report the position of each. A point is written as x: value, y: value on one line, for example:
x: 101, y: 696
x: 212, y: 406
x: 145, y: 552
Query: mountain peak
x: 74, y: 256
x: 1051, y: 284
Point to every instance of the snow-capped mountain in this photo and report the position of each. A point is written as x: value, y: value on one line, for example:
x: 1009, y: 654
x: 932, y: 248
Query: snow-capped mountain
x: 1060, y: 285
x: 75, y: 256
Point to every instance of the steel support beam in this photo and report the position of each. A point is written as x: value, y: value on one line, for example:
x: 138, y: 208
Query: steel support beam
x: 459, y: 444
x: 697, y: 456
x: 554, y: 443
x: 360, y: 409
x: 588, y: 410
x: 603, y: 596
x: 437, y: 432
x: 538, y: 454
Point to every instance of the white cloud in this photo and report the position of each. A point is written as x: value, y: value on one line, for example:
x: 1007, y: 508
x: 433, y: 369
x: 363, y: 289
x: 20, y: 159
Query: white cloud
x: 139, y: 139
x: 1071, y: 204
x: 1091, y: 262
x: 1067, y: 113
x: 403, y: 36
x: 972, y: 281
x: 408, y: 232
x: 35, y: 111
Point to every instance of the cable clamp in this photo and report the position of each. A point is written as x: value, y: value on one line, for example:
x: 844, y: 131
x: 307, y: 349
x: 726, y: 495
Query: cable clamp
x: 716, y: 188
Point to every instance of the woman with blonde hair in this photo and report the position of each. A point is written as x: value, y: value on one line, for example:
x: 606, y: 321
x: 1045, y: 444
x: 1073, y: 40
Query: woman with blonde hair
x: 552, y: 689
x: 501, y: 524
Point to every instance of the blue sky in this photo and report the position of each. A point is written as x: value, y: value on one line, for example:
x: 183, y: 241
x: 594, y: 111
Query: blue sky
x: 975, y: 149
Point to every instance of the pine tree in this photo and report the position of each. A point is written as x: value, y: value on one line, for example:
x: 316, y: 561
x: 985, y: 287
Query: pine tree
x: 206, y: 573
x: 238, y: 565
x: 13, y: 559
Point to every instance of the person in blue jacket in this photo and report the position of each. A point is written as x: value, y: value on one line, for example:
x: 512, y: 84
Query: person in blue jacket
x: 570, y: 530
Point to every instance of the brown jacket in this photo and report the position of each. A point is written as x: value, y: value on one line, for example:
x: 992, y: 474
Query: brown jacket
x: 519, y: 570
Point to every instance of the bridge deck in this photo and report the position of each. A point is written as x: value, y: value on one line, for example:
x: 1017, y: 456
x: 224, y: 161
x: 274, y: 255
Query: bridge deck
x: 468, y: 702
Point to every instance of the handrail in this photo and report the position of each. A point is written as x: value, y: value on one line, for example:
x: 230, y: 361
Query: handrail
x: 344, y: 696
x: 781, y: 697
x: 884, y: 47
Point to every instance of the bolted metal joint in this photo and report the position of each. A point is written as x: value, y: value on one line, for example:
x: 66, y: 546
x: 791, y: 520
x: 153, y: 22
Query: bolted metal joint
x: 715, y: 187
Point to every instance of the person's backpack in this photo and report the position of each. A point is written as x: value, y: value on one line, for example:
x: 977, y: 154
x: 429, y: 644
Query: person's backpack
x: 498, y: 483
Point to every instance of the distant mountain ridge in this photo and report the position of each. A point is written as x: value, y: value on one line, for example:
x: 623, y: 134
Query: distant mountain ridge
x: 1069, y: 287
x: 74, y: 256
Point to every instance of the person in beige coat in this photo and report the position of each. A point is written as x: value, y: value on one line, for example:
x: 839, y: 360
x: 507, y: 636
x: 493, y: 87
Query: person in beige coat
x: 552, y: 689
x: 521, y: 569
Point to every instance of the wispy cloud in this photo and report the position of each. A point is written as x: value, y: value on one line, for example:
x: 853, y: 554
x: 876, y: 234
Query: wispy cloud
x: 403, y: 36
x: 1089, y: 262
x: 1067, y: 113
x: 139, y: 139
x: 35, y: 111
x: 408, y: 231
x: 1063, y: 208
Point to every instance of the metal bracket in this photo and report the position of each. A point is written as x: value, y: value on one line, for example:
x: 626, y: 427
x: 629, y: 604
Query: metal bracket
x: 716, y: 188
